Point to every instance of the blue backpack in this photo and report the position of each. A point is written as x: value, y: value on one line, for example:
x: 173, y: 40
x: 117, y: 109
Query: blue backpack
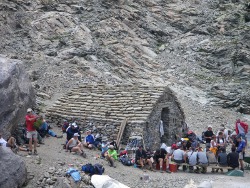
x: 125, y: 160
x: 99, y: 169
x: 88, y: 168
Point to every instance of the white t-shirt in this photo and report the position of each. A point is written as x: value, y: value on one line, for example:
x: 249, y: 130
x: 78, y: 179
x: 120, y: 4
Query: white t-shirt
x: 3, y: 142
x: 178, y: 154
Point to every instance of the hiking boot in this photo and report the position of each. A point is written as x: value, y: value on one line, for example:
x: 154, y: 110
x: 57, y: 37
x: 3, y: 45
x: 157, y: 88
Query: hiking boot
x: 161, y: 171
x: 35, y: 152
x: 111, y: 163
x: 168, y: 171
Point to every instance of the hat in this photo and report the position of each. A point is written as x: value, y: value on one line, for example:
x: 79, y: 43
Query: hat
x: 76, y: 134
x: 111, y: 147
x: 209, y: 126
x: 88, y: 131
x: 174, y: 146
x: 74, y: 124
x: 29, y: 110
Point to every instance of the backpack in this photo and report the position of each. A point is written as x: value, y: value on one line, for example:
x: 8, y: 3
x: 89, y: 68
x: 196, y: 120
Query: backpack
x: 99, y: 169
x: 88, y: 168
x: 125, y: 160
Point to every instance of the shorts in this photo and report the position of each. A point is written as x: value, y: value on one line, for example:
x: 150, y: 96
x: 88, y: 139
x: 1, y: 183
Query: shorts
x: 242, y: 135
x: 32, y: 134
x: 241, y: 155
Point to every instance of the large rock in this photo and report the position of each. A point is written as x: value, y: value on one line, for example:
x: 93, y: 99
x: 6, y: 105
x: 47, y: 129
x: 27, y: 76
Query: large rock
x: 16, y: 94
x: 13, y: 169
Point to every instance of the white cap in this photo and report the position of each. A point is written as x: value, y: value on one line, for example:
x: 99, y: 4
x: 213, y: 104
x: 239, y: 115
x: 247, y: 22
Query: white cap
x: 29, y: 110
x: 76, y: 134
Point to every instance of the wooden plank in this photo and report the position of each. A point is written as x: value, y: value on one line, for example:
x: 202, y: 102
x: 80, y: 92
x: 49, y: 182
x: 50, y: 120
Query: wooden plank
x: 120, y: 133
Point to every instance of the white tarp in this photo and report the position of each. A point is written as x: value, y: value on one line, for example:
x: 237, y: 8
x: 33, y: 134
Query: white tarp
x: 104, y: 181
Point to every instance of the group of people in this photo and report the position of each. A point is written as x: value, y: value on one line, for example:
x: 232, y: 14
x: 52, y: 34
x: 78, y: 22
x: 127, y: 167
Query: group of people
x: 182, y: 152
x: 191, y: 155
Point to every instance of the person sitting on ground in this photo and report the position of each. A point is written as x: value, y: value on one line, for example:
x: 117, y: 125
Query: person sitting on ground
x: 222, y: 159
x: 179, y: 157
x: 192, y: 158
x: 111, y: 156
x: 45, y: 129
x: 89, y: 140
x: 141, y: 158
x: 202, y: 161
x: 104, y: 146
x: 160, y: 156
x: 74, y: 145
x: 233, y: 158
x: 71, y: 130
x: 213, y: 145
x: 211, y: 158
x: 30, y: 118
x: 241, y: 151
x: 11, y: 143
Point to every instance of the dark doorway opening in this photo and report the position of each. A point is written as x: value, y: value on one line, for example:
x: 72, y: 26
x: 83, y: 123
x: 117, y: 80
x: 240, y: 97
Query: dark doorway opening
x: 166, y: 125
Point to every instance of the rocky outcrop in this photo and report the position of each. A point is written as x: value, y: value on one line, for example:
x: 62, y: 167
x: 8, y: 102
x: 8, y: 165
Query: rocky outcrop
x: 13, y: 169
x: 192, y: 43
x: 17, y: 94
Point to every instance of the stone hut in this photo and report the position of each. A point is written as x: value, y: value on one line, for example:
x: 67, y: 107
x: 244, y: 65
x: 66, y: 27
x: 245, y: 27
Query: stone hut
x: 106, y: 106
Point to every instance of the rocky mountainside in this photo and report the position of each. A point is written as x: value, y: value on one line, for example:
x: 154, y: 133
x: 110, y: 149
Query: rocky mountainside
x: 200, y: 47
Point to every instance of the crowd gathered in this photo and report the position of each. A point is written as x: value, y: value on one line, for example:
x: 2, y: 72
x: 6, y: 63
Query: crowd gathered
x: 191, y: 152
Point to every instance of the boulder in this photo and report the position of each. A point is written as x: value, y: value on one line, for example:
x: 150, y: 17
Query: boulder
x: 17, y: 94
x: 13, y: 169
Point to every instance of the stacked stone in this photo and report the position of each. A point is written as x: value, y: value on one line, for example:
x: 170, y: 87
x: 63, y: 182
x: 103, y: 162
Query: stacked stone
x: 106, y: 106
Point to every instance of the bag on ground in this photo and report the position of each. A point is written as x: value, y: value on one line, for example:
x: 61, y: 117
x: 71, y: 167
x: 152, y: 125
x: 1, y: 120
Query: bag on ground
x: 125, y: 160
x: 99, y: 169
x: 88, y: 168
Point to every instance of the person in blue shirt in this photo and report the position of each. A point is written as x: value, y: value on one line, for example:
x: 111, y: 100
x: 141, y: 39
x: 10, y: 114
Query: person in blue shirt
x: 241, y: 151
x: 71, y: 130
x: 89, y: 140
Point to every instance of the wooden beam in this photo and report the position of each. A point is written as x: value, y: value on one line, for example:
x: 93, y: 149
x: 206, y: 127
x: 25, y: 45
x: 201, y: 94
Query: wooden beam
x: 120, y: 133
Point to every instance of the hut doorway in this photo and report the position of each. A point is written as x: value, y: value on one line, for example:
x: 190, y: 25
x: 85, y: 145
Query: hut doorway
x: 166, y: 125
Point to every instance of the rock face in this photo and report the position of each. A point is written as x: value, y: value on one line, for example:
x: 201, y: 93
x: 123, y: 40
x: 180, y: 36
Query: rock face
x: 13, y: 169
x: 17, y: 94
x: 197, y: 43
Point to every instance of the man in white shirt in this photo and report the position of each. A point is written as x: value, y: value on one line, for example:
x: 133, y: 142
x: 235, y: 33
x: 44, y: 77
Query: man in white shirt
x: 179, y: 157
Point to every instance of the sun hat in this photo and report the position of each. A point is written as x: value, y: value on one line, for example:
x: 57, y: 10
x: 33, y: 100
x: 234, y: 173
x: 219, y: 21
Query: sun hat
x: 76, y: 134
x: 209, y: 126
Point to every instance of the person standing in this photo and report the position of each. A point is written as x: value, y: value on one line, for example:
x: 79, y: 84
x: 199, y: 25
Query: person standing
x: 241, y: 129
x: 241, y: 151
x: 30, y: 119
x: 208, y: 135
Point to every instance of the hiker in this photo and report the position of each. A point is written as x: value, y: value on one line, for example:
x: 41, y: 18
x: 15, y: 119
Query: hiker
x: 111, y: 156
x: 113, y: 142
x: 211, y: 158
x: 74, y: 145
x: 192, y: 158
x: 179, y: 157
x: 202, y: 161
x: 233, y: 158
x: 141, y: 158
x: 241, y: 129
x: 241, y: 151
x: 11, y: 143
x: 208, y: 135
x: 45, y: 129
x: 71, y: 130
x: 65, y: 126
x: 104, y: 146
x: 213, y: 145
x: 31, y: 131
x: 222, y: 159
x: 160, y: 156
x: 221, y: 141
x: 89, y: 140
